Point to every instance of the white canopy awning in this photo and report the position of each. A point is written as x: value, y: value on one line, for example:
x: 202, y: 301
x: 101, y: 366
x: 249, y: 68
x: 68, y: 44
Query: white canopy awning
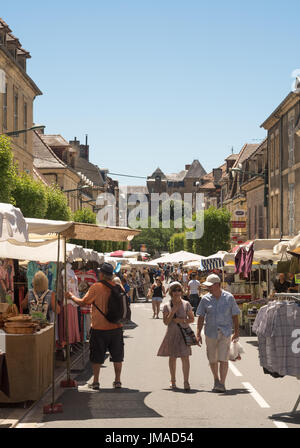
x: 177, y: 257
x: 12, y: 224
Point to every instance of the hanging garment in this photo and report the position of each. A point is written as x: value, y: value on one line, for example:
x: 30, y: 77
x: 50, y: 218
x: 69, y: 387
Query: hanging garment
x: 72, y: 283
x: 277, y: 328
x: 7, y: 273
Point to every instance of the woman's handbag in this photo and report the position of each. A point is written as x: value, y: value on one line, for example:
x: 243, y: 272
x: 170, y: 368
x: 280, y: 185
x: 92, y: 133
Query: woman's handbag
x: 188, y: 335
x: 283, y: 266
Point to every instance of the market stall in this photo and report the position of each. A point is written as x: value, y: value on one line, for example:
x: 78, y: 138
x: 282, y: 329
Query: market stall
x: 47, y: 242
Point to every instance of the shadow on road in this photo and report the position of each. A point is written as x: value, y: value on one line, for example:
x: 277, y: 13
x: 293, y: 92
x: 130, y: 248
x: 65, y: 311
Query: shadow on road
x: 254, y: 343
x: 182, y: 391
x: 87, y: 404
x: 230, y: 392
x: 287, y: 417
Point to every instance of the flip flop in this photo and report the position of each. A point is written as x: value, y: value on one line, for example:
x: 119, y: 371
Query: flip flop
x: 117, y: 384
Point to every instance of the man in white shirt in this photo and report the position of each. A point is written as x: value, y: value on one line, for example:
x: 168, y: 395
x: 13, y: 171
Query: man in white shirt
x: 194, y: 292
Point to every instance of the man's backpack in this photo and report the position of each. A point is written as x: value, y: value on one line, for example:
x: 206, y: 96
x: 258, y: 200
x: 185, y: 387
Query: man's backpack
x: 118, y: 306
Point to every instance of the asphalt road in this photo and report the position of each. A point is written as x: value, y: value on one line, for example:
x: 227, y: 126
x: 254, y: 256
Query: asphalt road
x: 252, y: 400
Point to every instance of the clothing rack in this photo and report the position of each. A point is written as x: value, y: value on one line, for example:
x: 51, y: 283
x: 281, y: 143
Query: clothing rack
x: 288, y: 296
x: 295, y: 297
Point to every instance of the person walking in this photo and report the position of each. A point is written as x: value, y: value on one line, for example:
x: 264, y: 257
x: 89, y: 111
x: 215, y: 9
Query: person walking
x: 105, y: 335
x: 194, y: 292
x: 176, y: 312
x: 220, y: 311
x: 158, y: 292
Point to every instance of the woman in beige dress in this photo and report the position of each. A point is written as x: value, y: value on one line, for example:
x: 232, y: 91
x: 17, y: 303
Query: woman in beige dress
x: 177, y: 311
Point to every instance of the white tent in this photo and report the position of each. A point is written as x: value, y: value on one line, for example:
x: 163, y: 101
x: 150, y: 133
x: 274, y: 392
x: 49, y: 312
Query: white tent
x: 12, y: 224
x: 177, y: 257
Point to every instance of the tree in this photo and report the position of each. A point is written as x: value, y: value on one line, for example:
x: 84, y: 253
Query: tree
x: 7, y: 171
x: 85, y: 215
x: 30, y: 196
x: 57, y: 207
x: 216, y: 232
x: 177, y: 241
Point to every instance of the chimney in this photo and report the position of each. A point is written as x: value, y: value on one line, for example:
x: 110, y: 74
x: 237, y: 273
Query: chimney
x: 187, y: 167
x: 217, y: 174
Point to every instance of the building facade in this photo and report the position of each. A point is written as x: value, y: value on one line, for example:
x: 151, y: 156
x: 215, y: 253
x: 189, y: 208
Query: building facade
x: 283, y: 142
x: 17, y: 94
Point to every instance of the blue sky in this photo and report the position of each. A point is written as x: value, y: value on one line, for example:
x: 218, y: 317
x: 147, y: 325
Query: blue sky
x: 161, y: 82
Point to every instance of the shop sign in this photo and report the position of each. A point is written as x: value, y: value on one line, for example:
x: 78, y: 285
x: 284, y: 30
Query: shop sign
x: 238, y: 224
x: 239, y: 213
x: 297, y: 279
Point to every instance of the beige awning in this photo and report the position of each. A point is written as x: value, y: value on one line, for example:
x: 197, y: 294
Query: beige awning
x: 79, y: 231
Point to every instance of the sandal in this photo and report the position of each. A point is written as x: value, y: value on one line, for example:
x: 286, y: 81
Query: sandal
x: 172, y: 385
x: 117, y: 384
x: 187, y: 386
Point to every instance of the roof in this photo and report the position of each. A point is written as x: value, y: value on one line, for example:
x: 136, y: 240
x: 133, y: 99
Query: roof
x: 157, y: 172
x: 232, y: 157
x: 55, y: 140
x: 90, y: 170
x: 38, y: 176
x: 196, y: 170
x: 176, y: 177
x: 288, y: 102
x: 43, y: 155
x: 247, y: 150
x: 134, y: 189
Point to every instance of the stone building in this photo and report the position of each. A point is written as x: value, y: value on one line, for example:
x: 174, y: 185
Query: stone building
x: 186, y: 181
x: 18, y: 92
x: 283, y: 142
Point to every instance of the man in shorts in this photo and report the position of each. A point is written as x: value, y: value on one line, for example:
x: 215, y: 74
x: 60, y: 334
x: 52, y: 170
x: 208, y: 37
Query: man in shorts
x: 105, y: 336
x: 220, y: 311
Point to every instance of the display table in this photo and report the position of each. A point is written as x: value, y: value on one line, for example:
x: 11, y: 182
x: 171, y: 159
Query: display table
x: 29, y: 359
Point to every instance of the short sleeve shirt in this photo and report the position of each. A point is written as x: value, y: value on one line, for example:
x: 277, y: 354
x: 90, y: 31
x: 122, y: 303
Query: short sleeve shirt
x: 194, y: 285
x: 218, y: 313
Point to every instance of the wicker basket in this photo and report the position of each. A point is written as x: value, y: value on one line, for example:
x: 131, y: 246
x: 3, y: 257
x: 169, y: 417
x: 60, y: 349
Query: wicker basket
x: 20, y: 327
x: 19, y: 318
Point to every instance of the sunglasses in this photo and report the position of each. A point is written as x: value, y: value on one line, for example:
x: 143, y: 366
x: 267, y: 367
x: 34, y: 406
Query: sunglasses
x: 177, y: 290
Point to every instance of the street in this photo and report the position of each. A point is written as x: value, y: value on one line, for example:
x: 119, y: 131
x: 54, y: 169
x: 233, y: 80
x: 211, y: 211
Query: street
x: 252, y: 400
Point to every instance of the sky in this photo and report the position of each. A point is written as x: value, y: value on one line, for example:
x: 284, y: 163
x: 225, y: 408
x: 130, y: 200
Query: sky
x: 158, y: 82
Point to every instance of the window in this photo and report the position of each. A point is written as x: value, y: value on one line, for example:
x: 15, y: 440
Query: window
x: 249, y: 224
x: 276, y: 222
x: 291, y: 139
x: 16, y: 106
x: 291, y: 210
x: 255, y: 220
x: 272, y: 146
x: 260, y: 221
x: 272, y: 213
x: 25, y: 121
x: 4, y: 116
x: 276, y: 151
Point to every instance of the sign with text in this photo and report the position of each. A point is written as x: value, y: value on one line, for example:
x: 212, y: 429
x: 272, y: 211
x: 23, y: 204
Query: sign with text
x: 238, y: 224
x: 239, y: 213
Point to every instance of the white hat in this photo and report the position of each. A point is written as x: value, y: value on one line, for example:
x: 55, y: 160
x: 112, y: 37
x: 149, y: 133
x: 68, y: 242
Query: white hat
x: 173, y: 284
x: 211, y: 280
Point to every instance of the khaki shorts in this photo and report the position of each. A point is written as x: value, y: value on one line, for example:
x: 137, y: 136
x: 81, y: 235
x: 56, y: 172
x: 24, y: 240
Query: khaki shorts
x: 218, y: 349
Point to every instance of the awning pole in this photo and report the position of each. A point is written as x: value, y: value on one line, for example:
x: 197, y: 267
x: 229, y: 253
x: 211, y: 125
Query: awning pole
x: 68, y: 382
x: 54, y: 408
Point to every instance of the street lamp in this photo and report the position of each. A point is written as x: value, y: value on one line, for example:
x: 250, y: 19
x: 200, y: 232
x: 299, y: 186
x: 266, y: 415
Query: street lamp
x: 264, y: 175
x: 22, y: 131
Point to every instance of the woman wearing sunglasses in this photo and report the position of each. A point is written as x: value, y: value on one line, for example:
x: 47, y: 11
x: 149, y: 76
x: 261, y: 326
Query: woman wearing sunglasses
x: 177, y: 311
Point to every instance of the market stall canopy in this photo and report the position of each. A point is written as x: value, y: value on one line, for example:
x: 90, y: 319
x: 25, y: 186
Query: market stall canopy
x: 288, y: 245
x: 43, y: 251
x: 147, y: 264
x: 13, y: 225
x: 177, y: 257
x: 123, y: 254
x: 80, y: 231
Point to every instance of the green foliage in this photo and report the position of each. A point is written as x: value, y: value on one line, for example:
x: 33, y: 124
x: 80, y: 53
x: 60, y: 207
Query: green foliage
x: 7, y: 171
x: 57, y: 208
x: 177, y: 242
x: 216, y: 232
x: 30, y: 196
x: 85, y: 215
